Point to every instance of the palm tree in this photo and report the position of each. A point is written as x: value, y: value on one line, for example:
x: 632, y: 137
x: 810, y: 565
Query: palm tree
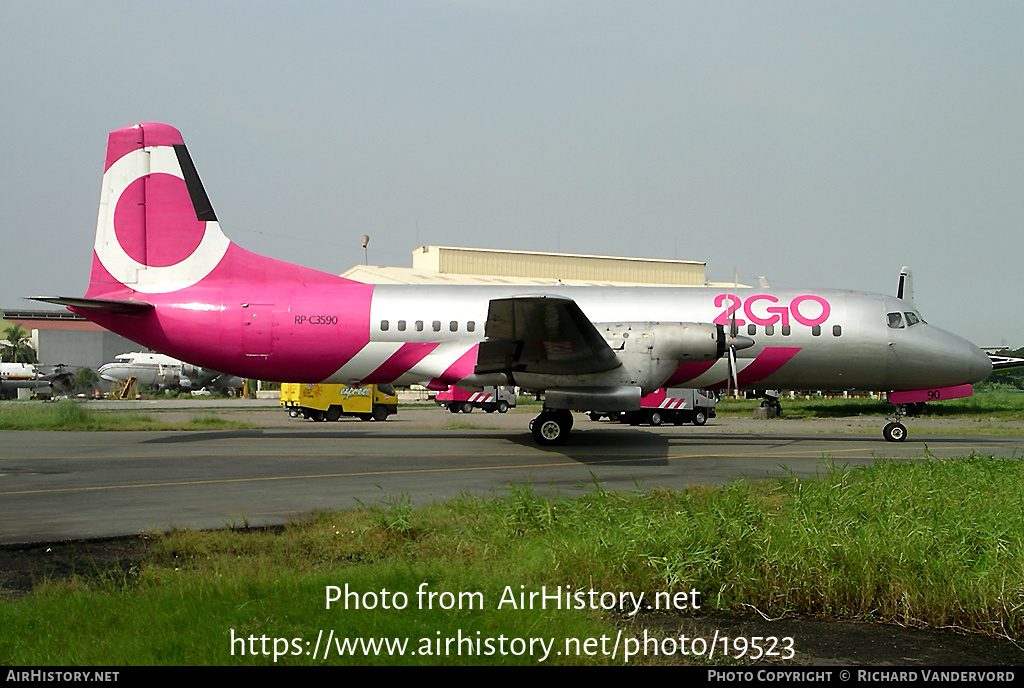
x: 17, y: 349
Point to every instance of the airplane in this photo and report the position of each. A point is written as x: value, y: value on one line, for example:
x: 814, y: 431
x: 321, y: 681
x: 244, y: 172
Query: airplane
x: 165, y: 275
x: 163, y: 371
x: 15, y: 376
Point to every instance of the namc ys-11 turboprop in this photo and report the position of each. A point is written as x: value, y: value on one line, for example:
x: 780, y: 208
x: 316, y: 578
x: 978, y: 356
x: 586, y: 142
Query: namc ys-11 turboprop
x: 165, y: 275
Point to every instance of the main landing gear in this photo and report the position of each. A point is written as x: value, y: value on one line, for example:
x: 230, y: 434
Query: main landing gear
x: 551, y: 427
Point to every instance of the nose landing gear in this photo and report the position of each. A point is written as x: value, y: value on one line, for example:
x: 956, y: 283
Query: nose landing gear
x: 894, y: 430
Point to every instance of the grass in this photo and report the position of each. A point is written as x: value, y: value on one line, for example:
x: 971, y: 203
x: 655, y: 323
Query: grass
x: 71, y: 415
x: 922, y: 543
x: 994, y: 405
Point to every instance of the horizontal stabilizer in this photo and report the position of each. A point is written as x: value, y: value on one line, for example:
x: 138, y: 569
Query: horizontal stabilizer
x: 120, y: 306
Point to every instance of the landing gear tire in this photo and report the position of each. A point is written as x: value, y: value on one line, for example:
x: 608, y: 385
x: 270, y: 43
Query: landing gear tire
x: 894, y: 432
x: 551, y: 428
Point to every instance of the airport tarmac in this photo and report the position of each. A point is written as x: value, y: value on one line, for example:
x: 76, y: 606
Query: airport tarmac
x: 68, y: 485
x: 57, y: 486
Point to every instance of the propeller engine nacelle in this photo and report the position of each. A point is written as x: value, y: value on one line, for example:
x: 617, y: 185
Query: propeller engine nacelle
x: 651, y: 351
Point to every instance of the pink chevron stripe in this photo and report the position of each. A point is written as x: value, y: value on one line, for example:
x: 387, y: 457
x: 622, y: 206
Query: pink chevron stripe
x: 688, y: 371
x: 766, y: 363
x: 463, y: 367
x: 400, y: 362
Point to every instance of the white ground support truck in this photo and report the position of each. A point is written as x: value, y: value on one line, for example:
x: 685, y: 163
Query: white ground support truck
x: 490, y: 399
x: 676, y: 406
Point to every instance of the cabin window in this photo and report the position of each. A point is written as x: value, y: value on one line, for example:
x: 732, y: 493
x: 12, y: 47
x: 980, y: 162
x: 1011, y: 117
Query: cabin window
x: 751, y: 330
x: 401, y: 326
x: 895, y: 321
x: 837, y: 330
x: 471, y: 326
x: 383, y: 325
x: 453, y: 326
x: 769, y: 330
x: 786, y: 330
x: 816, y: 330
x: 436, y: 325
x: 419, y: 325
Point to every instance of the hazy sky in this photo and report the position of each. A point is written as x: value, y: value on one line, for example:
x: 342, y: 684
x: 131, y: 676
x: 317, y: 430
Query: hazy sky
x: 822, y: 144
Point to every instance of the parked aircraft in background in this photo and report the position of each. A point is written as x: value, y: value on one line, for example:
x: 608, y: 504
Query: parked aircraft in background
x: 15, y: 376
x: 163, y: 371
x: 164, y: 275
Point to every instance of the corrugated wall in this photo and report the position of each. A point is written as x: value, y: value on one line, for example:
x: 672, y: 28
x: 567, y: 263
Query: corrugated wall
x: 448, y: 260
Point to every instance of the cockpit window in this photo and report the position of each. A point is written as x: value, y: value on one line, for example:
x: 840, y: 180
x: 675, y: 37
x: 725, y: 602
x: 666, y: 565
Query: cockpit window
x: 896, y: 321
x: 912, y: 318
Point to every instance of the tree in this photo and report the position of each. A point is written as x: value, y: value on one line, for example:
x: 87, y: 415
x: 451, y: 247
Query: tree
x: 86, y: 379
x: 17, y: 349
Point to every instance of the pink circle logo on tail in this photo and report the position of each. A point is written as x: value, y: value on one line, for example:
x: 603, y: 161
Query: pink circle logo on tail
x: 147, y: 234
x: 173, y: 231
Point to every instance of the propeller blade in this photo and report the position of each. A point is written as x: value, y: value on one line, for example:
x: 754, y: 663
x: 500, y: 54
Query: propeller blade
x: 732, y: 369
x: 733, y: 331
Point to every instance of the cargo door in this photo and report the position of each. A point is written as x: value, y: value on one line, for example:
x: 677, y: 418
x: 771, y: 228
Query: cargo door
x: 257, y: 329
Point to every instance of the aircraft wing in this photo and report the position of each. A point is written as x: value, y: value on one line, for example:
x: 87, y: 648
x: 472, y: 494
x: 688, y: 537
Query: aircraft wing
x: 1000, y: 362
x: 542, y: 335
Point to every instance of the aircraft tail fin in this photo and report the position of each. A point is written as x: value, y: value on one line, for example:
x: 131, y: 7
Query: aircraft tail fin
x: 156, y: 231
x: 905, y: 289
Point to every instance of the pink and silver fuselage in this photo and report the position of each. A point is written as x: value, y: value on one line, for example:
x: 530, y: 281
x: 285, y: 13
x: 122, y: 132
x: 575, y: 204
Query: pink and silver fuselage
x: 332, y: 330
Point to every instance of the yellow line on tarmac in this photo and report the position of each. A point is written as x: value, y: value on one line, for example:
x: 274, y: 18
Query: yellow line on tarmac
x: 357, y: 474
x: 319, y: 476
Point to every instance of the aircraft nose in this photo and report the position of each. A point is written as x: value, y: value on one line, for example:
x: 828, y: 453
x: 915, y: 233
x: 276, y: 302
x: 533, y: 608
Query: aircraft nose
x: 936, y: 358
x: 972, y: 363
x: 980, y: 365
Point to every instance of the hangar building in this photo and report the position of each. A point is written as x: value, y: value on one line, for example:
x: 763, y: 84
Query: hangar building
x: 452, y: 265
x: 64, y: 337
